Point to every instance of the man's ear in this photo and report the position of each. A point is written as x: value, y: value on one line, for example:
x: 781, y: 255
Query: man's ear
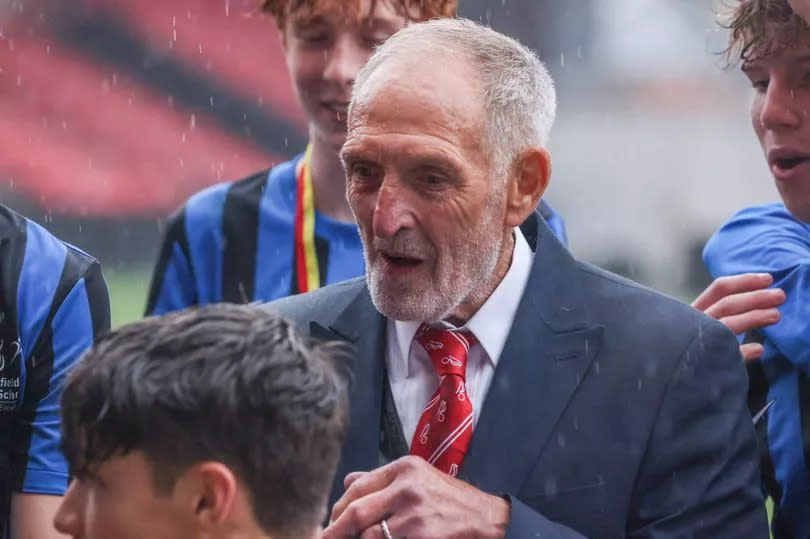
x: 211, y: 490
x: 529, y: 178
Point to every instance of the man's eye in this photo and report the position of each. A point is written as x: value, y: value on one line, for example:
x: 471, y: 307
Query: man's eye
x: 361, y: 171
x: 760, y: 85
x: 433, y: 179
x: 317, y: 37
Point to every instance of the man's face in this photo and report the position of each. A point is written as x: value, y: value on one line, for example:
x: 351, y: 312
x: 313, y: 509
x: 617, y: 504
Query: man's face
x: 120, y: 501
x: 326, y: 49
x: 781, y: 80
x: 419, y: 183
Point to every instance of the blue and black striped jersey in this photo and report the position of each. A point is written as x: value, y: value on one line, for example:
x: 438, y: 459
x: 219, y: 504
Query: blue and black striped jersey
x: 53, y: 302
x: 768, y: 239
x: 234, y: 242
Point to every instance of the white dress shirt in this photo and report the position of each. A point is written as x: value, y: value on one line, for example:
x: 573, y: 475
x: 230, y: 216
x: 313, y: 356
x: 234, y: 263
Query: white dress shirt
x: 412, y: 375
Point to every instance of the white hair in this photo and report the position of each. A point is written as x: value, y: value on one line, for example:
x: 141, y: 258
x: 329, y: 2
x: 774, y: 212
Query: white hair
x: 519, y: 94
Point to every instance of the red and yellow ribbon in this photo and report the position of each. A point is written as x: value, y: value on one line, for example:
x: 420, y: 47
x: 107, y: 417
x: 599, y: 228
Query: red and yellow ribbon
x: 306, y: 258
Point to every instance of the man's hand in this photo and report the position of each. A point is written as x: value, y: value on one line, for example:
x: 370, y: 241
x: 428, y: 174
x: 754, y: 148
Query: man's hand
x: 742, y: 303
x: 802, y: 8
x: 417, y: 501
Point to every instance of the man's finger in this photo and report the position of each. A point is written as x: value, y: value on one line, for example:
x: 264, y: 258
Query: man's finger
x: 732, y: 284
x: 752, y: 351
x: 366, y: 484
x: 744, y: 302
x: 351, y: 478
x: 374, y: 532
x: 360, y: 515
x: 742, y: 323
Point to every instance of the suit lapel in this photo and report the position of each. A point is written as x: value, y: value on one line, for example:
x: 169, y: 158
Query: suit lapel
x: 361, y: 325
x: 549, y: 350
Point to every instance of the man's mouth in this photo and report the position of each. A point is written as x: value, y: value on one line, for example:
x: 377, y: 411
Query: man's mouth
x: 338, y: 107
x: 401, y: 261
x: 790, y: 163
x: 784, y: 161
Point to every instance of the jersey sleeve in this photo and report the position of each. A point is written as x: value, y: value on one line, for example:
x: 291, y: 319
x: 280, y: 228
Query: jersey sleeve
x: 79, y: 311
x: 767, y: 239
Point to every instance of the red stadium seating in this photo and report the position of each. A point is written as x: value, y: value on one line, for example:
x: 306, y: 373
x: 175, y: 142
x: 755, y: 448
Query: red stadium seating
x: 80, y: 137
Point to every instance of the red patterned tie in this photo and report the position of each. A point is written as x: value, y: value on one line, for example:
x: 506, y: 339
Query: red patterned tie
x: 445, y: 429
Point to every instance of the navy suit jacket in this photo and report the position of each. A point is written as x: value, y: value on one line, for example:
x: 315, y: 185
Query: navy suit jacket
x: 614, y: 411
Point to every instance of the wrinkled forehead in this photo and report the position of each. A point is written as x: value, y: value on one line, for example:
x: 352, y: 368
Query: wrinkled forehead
x: 420, y: 95
x: 350, y: 11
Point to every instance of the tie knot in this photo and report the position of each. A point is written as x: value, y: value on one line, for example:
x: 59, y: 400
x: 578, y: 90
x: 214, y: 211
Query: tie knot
x: 448, y: 349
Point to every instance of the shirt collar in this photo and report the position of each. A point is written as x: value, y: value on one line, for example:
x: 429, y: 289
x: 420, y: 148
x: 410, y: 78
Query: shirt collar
x: 493, y: 321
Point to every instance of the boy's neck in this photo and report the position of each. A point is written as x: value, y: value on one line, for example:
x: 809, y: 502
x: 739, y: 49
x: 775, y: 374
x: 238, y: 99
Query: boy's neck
x: 329, y: 182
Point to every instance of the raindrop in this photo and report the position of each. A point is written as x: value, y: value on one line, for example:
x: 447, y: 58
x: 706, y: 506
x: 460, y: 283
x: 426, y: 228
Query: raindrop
x: 579, y: 52
x: 200, y: 47
x: 286, y: 143
x: 193, y: 123
x: 227, y: 8
x: 211, y: 99
x: 562, y: 59
x: 181, y: 163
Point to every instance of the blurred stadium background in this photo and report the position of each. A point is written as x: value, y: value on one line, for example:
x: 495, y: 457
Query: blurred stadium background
x: 114, y: 111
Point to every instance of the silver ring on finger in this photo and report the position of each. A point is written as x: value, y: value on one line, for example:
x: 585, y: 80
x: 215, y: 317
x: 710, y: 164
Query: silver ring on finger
x: 385, y: 530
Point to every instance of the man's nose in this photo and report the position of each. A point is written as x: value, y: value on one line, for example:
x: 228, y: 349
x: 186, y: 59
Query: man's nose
x: 344, y: 60
x: 393, y: 211
x: 68, y: 517
x: 781, y: 109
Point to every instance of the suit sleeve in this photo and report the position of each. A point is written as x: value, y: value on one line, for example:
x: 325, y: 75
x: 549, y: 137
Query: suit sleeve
x: 71, y: 327
x: 767, y: 239
x: 700, y: 476
x: 173, y: 286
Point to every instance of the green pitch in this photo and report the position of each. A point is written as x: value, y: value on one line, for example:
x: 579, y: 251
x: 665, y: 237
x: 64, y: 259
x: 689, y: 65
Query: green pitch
x: 127, y: 294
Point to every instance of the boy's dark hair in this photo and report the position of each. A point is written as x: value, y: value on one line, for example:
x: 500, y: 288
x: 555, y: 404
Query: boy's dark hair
x: 420, y: 10
x: 758, y: 26
x: 229, y: 383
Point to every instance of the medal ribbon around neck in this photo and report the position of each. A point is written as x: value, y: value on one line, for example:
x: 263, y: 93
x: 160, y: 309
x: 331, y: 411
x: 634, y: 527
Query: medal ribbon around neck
x: 306, y: 258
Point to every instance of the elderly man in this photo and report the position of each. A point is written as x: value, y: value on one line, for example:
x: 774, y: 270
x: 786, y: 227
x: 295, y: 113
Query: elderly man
x: 503, y: 388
